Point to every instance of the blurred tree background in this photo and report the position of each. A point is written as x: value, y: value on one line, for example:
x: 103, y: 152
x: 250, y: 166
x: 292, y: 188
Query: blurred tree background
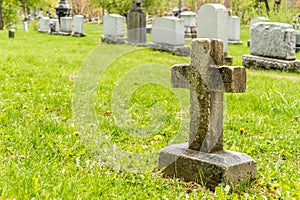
x: 11, y: 11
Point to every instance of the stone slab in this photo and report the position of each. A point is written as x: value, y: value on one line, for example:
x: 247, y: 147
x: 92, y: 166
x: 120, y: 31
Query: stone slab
x: 66, y: 25
x: 168, y: 30
x: 113, y: 25
x: 259, y: 62
x: 209, y: 169
x: 78, y: 26
x: 44, y: 25
x: 274, y: 40
x: 136, y: 27
x: 234, y: 26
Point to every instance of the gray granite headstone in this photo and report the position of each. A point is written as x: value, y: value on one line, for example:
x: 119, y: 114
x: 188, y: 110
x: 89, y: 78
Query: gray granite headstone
x: 203, y: 159
x: 44, y: 25
x: 136, y: 24
x: 113, y: 29
x: 66, y: 25
x: 272, y: 47
x: 168, y: 35
x: 234, y: 28
x: 275, y: 40
x: 78, y: 26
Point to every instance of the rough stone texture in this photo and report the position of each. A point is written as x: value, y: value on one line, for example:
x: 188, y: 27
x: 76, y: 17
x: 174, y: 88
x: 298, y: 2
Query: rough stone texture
x: 44, y: 25
x: 113, y: 40
x: 208, y: 168
x: 113, y: 25
x: 258, y: 62
x: 168, y: 30
x: 78, y: 26
x: 212, y: 23
x: 234, y: 25
x: 234, y: 78
x: 203, y: 158
x: 205, y: 84
x: 136, y: 21
x: 66, y: 25
x: 177, y: 50
x: 274, y: 40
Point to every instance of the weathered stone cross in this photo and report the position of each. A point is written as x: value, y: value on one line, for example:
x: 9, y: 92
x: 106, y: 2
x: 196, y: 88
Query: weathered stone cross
x: 203, y: 158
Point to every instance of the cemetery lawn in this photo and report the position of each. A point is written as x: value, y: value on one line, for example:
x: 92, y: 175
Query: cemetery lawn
x: 42, y: 156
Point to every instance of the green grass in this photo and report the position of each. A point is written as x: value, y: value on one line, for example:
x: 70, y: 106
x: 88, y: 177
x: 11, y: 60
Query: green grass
x: 43, y: 157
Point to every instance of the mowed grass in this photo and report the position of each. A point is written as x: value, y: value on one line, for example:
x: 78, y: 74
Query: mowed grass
x: 43, y: 157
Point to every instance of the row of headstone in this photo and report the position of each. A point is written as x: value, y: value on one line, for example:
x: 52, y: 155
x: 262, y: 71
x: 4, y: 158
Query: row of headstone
x: 213, y: 22
x: 272, y: 46
x: 64, y: 27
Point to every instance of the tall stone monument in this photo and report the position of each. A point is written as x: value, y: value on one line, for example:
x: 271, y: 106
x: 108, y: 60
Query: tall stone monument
x: 136, y: 26
x: 203, y: 159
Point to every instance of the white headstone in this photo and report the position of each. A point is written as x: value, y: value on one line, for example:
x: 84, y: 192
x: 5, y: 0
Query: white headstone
x: 25, y: 25
x: 78, y: 24
x: 258, y: 19
x: 54, y: 24
x: 212, y: 23
x: 66, y: 24
x: 275, y: 40
x: 189, y: 18
x: 168, y: 30
x: 113, y: 25
x: 234, y: 28
x: 44, y: 24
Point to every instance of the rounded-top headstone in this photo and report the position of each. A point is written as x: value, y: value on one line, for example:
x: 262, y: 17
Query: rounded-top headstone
x: 212, y: 23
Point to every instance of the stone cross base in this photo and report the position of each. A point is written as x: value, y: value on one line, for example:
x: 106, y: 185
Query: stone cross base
x: 259, y: 62
x: 209, y: 169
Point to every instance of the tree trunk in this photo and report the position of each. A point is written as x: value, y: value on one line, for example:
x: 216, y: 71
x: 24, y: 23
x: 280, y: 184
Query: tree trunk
x: 1, y: 20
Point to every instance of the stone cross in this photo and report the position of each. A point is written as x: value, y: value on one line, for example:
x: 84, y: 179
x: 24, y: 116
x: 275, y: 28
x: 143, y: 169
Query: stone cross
x: 205, y: 78
x: 203, y: 159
